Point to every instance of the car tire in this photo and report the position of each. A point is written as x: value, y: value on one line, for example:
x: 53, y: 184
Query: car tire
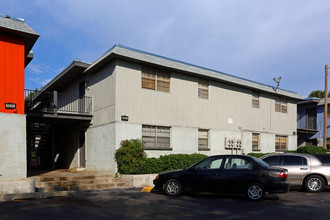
x: 314, y: 183
x: 255, y: 192
x: 173, y: 188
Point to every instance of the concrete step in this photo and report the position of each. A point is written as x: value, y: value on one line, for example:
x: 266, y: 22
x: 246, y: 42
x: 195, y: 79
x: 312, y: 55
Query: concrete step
x: 81, y: 187
x: 70, y: 177
x: 74, y: 180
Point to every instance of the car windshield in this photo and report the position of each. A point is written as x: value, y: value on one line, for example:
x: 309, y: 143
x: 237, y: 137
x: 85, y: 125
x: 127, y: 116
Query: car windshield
x: 261, y: 162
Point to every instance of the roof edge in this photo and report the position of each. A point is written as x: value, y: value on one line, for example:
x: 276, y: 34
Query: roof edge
x: 128, y: 52
x: 74, y: 63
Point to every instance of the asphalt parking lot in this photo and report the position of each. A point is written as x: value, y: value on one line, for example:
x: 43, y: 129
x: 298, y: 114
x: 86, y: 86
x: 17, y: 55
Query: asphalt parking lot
x: 134, y: 204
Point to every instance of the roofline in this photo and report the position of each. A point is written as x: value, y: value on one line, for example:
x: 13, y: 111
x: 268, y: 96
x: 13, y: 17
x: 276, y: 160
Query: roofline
x: 119, y: 51
x: 309, y: 101
x: 74, y: 63
x: 29, y: 35
x: 322, y: 101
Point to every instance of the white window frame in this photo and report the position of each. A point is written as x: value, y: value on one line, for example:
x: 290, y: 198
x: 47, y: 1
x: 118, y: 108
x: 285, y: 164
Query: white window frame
x: 156, y: 132
x: 255, y: 100
x: 280, y: 137
x: 156, y: 75
x: 253, y: 141
x: 203, y: 135
x: 203, y: 88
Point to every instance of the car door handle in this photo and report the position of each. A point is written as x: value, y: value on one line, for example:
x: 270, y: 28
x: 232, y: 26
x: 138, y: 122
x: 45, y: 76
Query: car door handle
x: 303, y: 168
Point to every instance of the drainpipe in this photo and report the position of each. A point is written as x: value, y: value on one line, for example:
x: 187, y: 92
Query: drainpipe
x: 325, y: 134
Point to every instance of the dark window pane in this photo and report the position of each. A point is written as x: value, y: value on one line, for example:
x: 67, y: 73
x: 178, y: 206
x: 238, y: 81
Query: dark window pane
x: 272, y: 161
x: 293, y: 160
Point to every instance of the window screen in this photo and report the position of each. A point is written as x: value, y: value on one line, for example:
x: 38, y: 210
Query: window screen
x: 255, y: 100
x: 155, y: 79
x: 203, y: 88
x: 202, y: 139
x: 156, y: 137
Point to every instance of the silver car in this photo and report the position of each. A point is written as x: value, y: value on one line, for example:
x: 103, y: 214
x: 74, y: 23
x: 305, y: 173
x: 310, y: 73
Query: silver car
x: 303, y: 170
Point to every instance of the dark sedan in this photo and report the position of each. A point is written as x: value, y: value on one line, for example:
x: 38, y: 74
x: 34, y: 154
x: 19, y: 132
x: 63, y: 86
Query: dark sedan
x: 226, y: 173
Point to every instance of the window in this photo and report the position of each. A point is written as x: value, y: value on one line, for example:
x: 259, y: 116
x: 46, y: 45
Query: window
x: 255, y: 100
x: 255, y: 141
x: 210, y: 163
x: 237, y: 163
x: 203, y: 88
x: 281, y: 105
x: 280, y: 143
x: 294, y: 160
x: 272, y: 160
x: 155, y: 79
x: 202, y: 139
x: 156, y: 137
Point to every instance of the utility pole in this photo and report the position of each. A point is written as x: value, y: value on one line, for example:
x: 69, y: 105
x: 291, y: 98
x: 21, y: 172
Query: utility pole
x: 325, y: 135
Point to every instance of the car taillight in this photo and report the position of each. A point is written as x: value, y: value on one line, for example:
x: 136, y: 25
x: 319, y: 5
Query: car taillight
x: 284, y: 174
x: 157, y: 177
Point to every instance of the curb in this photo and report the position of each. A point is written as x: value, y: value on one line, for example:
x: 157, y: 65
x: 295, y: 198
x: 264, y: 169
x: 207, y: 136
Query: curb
x: 44, y: 195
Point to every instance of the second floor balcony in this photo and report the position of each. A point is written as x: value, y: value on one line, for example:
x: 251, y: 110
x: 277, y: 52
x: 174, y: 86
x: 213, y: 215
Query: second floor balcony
x: 57, y: 103
x: 311, y: 123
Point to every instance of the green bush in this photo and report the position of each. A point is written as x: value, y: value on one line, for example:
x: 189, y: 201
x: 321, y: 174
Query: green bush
x: 170, y: 162
x: 311, y: 150
x: 131, y: 159
x: 258, y: 155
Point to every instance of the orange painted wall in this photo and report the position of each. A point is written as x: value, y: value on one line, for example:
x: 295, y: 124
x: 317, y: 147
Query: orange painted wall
x: 11, y: 73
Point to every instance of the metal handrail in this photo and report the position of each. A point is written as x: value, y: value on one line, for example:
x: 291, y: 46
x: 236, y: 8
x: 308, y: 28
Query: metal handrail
x: 54, y: 102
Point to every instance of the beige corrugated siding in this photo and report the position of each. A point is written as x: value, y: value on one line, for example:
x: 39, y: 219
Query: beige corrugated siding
x: 227, y: 108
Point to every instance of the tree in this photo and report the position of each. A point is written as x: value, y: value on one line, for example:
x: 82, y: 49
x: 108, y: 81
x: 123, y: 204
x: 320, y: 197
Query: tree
x: 318, y: 94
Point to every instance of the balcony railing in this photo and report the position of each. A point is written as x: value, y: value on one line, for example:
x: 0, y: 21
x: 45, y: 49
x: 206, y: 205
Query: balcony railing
x: 53, y: 102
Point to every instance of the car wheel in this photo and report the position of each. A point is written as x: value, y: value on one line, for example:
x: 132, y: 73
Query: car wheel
x: 173, y: 188
x: 255, y: 192
x: 314, y: 183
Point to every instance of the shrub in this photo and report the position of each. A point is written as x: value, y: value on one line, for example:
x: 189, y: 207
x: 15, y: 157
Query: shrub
x: 171, y: 162
x: 258, y: 155
x: 130, y: 157
x: 311, y: 150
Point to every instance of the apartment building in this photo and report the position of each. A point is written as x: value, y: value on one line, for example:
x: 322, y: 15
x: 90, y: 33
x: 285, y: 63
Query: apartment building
x: 173, y: 106
x: 16, y: 42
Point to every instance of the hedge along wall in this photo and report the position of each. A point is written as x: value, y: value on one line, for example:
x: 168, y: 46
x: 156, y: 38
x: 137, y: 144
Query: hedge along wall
x: 302, y: 150
x: 131, y: 159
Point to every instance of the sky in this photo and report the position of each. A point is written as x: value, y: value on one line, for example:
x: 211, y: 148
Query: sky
x: 255, y: 39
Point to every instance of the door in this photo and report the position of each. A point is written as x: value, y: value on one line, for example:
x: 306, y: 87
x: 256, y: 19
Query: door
x: 204, y: 176
x: 236, y: 173
x: 297, y: 168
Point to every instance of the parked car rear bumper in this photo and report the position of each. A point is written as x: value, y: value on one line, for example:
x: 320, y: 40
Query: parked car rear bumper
x: 282, y: 187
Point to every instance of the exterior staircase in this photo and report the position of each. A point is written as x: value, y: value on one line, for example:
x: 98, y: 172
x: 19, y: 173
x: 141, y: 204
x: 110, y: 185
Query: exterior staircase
x: 74, y: 180
x: 62, y: 183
